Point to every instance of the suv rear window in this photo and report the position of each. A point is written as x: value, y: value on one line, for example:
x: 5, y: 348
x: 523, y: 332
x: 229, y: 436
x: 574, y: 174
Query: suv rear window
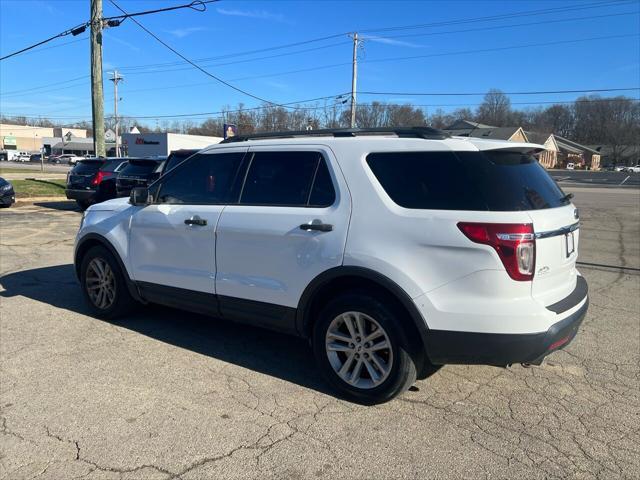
x: 491, y: 180
x: 139, y: 167
x: 87, y: 167
x: 112, y: 165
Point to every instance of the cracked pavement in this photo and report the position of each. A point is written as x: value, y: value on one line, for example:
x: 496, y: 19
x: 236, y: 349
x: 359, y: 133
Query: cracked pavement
x: 166, y: 394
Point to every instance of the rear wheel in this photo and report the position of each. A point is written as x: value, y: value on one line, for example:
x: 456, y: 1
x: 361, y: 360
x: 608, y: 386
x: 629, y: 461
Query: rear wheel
x: 103, y: 284
x: 359, y: 349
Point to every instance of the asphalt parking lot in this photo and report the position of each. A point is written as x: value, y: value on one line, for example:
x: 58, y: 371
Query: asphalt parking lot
x: 167, y: 394
x: 589, y: 178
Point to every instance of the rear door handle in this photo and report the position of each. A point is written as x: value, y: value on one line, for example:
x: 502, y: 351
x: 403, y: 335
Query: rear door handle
x: 196, y: 220
x: 320, y: 227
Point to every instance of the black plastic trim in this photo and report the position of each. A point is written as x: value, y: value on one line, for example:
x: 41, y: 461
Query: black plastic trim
x: 199, y: 302
x: 450, y: 347
x: 261, y: 314
x: 574, y: 298
x: 302, y: 316
x: 94, y: 237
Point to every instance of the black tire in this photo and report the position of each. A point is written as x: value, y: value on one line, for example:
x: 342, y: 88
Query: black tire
x: 83, y: 204
x: 123, y: 302
x: 403, y: 370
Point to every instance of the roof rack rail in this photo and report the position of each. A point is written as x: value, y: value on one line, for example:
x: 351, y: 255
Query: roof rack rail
x: 426, y: 133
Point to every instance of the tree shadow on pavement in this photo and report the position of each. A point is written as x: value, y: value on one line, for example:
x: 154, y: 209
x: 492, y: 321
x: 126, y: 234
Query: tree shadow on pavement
x: 278, y: 355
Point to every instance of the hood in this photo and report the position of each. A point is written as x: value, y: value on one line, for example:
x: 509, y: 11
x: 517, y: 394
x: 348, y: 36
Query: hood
x: 114, y: 205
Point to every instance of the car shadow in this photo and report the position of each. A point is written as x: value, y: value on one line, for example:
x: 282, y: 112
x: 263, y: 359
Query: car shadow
x: 66, y: 205
x: 278, y: 355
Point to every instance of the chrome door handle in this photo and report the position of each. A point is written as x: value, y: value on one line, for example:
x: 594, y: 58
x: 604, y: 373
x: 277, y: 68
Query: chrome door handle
x: 196, y: 220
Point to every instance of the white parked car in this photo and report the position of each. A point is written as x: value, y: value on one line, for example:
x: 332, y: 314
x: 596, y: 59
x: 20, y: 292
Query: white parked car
x: 634, y: 169
x: 21, y: 157
x: 67, y: 158
x: 570, y: 166
x: 390, y: 250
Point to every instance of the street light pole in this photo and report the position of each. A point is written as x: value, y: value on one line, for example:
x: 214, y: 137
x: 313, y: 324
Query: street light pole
x: 354, y: 79
x: 115, y: 79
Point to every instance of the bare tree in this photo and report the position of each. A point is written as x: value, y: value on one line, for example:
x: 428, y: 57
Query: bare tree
x: 613, y: 122
x: 495, y: 109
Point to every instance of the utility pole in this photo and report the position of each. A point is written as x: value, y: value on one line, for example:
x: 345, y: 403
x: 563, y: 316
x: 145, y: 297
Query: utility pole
x: 97, y: 99
x: 115, y: 79
x: 354, y: 79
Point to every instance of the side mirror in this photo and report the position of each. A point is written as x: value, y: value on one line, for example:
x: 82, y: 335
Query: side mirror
x: 140, y: 196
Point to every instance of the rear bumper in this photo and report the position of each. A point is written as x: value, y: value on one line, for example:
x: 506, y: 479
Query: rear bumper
x: 80, y: 194
x: 456, y: 347
x: 8, y: 199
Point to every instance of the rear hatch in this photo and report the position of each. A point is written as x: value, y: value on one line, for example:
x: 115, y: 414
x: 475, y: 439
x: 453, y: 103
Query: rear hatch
x: 513, y: 180
x: 82, y: 174
x: 502, y: 198
x: 136, y: 173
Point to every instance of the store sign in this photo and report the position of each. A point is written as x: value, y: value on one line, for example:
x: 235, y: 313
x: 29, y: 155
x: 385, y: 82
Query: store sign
x: 9, y: 141
x: 230, y: 130
x: 142, y: 141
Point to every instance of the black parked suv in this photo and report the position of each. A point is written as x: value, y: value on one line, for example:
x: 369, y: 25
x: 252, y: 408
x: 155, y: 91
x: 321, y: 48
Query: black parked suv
x: 93, y: 180
x: 138, y: 172
x: 7, y: 195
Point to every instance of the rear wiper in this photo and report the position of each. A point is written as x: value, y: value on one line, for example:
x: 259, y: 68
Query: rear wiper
x: 567, y: 197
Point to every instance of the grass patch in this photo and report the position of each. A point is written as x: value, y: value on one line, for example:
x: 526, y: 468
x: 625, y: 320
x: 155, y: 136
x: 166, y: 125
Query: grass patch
x: 39, y: 188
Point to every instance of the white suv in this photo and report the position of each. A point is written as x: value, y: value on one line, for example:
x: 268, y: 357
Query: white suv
x: 390, y: 250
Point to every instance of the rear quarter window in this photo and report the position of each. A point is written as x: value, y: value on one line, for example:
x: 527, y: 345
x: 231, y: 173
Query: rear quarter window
x: 139, y: 168
x: 478, y: 181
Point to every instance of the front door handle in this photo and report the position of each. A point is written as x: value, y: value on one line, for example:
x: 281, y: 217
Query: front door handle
x: 320, y: 227
x: 196, y: 220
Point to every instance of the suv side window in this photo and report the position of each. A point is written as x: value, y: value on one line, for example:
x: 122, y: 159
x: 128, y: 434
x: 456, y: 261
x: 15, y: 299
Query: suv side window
x: 204, y: 179
x: 297, y: 179
x: 426, y: 180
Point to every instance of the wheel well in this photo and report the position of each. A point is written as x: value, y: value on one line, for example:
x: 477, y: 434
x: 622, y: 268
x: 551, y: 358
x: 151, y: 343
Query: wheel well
x: 413, y: 337
x: 83, y: 248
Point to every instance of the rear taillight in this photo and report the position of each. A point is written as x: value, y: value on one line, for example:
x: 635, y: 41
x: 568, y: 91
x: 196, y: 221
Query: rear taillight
x: 99, y: 177
x: 514, y: 242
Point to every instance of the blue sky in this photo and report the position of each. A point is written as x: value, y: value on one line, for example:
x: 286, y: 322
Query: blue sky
x: 42, y: 81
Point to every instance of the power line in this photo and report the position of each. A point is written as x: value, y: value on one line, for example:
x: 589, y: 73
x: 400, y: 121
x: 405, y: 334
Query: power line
x: 111, y: 22
x: 235, y: 62
x: 218, y: 79
x: 511, y: 25
x: 319, y: 107
x: 505, y: 16
x: 525, y: 13
x: 443, y: 94
x: 77, y: 30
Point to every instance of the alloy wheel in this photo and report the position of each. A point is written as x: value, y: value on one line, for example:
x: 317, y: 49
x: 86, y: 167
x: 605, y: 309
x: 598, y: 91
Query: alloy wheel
x: 100, y: 283
x: 359, y: 350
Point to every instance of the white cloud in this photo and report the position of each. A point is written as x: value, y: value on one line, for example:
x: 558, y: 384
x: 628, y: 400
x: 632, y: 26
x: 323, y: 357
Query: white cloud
x: 261, y: 14
x: 184, y: 32
x: 392, y: 41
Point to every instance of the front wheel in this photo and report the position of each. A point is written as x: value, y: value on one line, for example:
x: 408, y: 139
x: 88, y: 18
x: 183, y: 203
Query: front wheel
x: 359, y: 348
x: 104, y: 285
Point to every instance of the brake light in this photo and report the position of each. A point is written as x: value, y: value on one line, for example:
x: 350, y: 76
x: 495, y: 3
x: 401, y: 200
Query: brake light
x: 514, y: 242
x: 99, y: 177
